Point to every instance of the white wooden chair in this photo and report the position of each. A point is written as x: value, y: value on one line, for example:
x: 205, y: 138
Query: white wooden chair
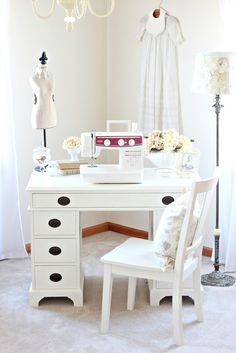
x: 135, y: 258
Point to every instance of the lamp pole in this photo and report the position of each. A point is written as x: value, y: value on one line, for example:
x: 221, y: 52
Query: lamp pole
x: 218, y: 108
x: 217, y: 278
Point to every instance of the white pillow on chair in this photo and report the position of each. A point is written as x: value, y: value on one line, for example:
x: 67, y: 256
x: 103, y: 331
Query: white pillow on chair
x: 168, y: 232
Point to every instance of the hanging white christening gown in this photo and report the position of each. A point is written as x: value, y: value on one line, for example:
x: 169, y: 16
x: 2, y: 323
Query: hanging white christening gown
x: 160, y: 97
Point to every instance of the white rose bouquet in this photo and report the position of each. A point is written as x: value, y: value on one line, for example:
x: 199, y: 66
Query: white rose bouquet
x: 71, y: 142
x: 168, y: 140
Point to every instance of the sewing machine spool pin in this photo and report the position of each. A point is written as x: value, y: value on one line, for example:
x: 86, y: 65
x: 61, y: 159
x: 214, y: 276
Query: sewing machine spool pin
x: 93, y: 150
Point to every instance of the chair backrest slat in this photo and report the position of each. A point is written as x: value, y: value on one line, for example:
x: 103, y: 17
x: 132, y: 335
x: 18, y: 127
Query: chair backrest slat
x: 205, y: 189
x: 194, y: 247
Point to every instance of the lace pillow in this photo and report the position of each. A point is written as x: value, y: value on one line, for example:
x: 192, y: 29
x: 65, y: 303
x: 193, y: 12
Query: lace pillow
x: 168, y: 232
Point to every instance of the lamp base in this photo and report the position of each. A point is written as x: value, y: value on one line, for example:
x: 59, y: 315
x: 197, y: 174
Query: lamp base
x: 217, y: 279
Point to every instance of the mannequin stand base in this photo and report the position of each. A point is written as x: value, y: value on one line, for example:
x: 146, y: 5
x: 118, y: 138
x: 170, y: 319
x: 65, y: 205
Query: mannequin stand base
x: 217, y: 279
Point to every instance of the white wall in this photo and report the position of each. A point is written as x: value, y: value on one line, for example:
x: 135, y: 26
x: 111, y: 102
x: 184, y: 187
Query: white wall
x: 200, y: 22
x: 96, y: 69
x: 78, y: 62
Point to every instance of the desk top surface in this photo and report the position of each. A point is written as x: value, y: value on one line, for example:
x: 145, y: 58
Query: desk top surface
x: 152, y: 182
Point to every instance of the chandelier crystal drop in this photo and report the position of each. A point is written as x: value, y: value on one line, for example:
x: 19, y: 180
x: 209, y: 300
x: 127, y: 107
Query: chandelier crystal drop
x: 74, y: 9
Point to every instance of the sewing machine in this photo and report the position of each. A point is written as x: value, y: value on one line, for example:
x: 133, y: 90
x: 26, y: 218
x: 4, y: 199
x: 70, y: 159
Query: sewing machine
x: 131, y: 157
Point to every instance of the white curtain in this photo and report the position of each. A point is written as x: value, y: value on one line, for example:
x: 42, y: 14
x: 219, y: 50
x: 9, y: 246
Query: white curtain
x: 227, y: 149
x: 11, y: 237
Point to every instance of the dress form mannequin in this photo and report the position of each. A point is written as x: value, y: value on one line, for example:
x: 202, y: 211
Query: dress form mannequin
x: 44, y: 112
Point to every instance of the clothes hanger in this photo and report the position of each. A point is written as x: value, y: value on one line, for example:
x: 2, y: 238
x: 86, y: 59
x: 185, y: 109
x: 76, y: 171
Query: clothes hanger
x: 156, y: 12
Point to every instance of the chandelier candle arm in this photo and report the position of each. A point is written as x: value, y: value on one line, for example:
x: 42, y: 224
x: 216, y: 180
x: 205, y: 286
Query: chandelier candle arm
x: 105, y: 15
x: 37, y: 12
x: 80, y: 8
x: 73, y: 9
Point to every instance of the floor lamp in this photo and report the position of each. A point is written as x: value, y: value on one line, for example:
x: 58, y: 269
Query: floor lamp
x: 215, y: 73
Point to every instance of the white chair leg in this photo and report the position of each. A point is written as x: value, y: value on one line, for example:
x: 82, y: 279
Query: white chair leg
x: 198, y: 293
x: 177, y: 314
x: 131, y: 293
x: 155, y: 293
x: 106, y: 298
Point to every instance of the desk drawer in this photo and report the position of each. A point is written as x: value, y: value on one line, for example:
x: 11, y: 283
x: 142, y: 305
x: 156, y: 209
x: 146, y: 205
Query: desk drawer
x: 53, y: 200
x: 54, y: 223
x: 55, y: 277
x: 111, y: 200
x: 54, y: 250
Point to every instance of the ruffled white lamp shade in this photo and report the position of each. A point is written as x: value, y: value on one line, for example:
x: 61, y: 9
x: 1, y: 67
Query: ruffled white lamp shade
x: 215, y: 73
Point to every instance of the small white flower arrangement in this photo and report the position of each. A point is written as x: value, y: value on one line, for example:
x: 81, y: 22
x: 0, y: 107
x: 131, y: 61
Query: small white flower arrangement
x: 168, y: 140
x: 71, y: 142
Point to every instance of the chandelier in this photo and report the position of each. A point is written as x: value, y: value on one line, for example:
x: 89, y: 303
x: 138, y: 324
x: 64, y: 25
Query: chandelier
x: 74, y: 9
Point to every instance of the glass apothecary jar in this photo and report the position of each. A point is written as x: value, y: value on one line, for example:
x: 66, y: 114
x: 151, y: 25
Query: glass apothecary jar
x: 41, y: 157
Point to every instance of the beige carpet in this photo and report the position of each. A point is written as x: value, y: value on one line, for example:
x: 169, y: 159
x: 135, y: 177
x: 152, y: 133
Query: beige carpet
x: 56, y: 326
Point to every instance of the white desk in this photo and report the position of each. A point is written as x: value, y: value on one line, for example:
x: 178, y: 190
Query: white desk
x: 55, y: 204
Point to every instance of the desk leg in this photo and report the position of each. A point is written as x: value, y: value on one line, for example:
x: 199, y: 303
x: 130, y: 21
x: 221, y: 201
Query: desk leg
x: 78, y: 296
x: 151, y: 232
x: 152, y: 224
x: 155, y: 295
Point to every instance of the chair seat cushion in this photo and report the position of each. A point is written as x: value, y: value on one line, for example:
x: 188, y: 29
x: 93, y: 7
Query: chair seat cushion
x: 168, y: 233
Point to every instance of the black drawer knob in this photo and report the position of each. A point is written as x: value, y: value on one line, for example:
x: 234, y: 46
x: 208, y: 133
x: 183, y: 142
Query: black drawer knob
x: 63, y: 201
x: 54, y: 223
x: 55, y: 250
x: 55, y: 277
x: 167, y: 200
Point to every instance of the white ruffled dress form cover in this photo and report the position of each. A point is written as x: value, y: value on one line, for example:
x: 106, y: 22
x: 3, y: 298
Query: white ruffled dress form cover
x: 160, y: 106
